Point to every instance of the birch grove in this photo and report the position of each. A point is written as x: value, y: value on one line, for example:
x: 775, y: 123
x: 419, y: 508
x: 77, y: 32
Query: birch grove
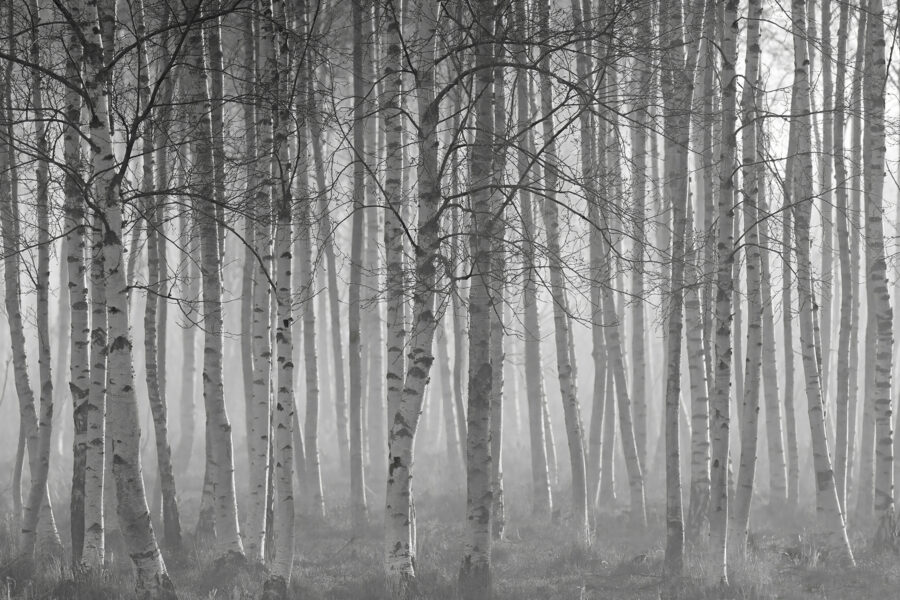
x: 521, y: 299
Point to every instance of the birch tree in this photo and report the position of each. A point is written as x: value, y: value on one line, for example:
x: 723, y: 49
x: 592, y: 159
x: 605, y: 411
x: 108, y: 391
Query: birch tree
x: 831, y: 521
x: 677, y: 88
x: 283, y: 410
x: 720, y: 407
x: 567, y: 384
x: 753, y: 370
x: 878, y: 291
x: 534, y: 383
x: 220, y: 460
x: 475, y: 576
x: 354, y: 348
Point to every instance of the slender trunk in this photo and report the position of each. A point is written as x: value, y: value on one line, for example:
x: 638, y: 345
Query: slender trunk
x: 774, y: 433
x: 475, y: 576
x: 854, y: 216
x: 122, y: 412
x: 9, y: 216
x: 497, y: 290
x: 40, y: 464
x: 220, y: 460
x: 80, y: 329
x: 644, y: 32
x: 283, y: 410
x: 677, y: 86
x: 830, y: 517
x: 373, y: 337
x: 720, y: 407
x: 753, y: 370
x: 596, y: 435
x: 698, y: 507
x: 213, y: 39
x: 696, y: 298
x: 190, y: 292
x: 593, y: 169
x: 315, y: 494
x: 607, y: 490
x: 567, y: 384
x: 154, y: 315
x: 250, y: 35
x: 842, y: 392
x: 334, y: 301
x: 399, y: 543
x: 259, y: 419
x: 826, y: 187
x: 878, y: 296
x: 534, y: 382
x: 357, y: 477
x: 787, y: 277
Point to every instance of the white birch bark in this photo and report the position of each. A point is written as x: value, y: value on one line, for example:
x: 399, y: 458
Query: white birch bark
x: 218, y: 429
x: 315, y: 494
x: 38, y: 496
x: 831, y: 521
x: 354, y: 348
x: 76, y: 243
x: 122, y: 416
x: 753, y: 370
x: 475, y: 575
x: 534, y: 382
x: 878, y: 297
x: 154, y: 314
x: 842, y: 392
x: 497, y: 285
x: 677, y: 87
x: 774, y: 431
x: 263, y: 275
x: 720, y: 407
x: 567, y: 384
x: 283, y: 410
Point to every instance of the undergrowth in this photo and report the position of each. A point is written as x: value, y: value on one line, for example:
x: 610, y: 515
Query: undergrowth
x: 534, y: 561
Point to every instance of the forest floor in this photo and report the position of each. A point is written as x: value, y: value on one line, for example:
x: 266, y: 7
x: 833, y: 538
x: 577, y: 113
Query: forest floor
x: 534, y: 561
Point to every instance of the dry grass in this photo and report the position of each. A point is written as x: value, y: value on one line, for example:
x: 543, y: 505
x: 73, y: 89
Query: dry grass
x: 535, y: 561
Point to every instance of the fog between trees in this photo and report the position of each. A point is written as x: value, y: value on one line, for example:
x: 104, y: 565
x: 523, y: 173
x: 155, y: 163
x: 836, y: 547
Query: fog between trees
x: 421, y: 299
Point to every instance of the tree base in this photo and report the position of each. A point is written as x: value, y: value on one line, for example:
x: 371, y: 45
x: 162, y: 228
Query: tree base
x: 475, y: 581
x: 275, y: 588
x: 401, y: 585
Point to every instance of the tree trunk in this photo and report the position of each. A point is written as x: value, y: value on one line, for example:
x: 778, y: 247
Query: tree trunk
x: 314, y: 494
x: 753, y: 370
x: 475, y: 576
x: 250, y: 36
x: 644, y: 31
x: 878, y: 296
x: 856, y: 186
x: 354, y: 350
x: 567, y: 384
x: 826, y: 186
x: 218, y: 427
x: 677, y: 87
x: 40, y: 464
x: 80, y: 328
x: 830, y: 517
x: 154, y: 313
x: 534, y: 382
x: 497, y: 285
x: 122, y: 413
x: 720, y: 408
x: 400, y: 539
x: 283, y: 410
x: 787, y: 276
x: 9, y: 217
x: 842, y: 392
